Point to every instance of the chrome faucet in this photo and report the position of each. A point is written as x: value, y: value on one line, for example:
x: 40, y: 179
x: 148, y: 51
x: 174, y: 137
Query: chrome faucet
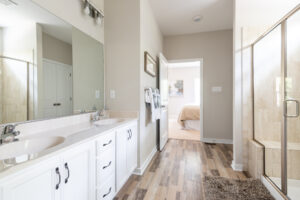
x: 9, y: 134
x: 97, y: 115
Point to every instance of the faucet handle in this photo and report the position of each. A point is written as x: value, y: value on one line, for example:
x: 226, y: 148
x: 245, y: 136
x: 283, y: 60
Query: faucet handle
x: 10, y: 128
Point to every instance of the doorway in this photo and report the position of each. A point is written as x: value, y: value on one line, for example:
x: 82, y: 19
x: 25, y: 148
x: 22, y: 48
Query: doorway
x: 185, y: 104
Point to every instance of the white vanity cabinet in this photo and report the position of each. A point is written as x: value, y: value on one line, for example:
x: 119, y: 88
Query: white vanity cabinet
x: 38, y: 182
x: 126, y: 153
x: 92, y: 170
x: 106, y: 166
x: 70, y: 176
x: 78, y: 173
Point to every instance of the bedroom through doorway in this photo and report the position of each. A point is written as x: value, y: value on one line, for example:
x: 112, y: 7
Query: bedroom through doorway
x: 185, y: 99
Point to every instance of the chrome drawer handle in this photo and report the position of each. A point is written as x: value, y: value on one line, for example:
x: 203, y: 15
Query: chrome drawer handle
x: 107, y: 193
x: 59, y: 178
x: 67, y: 168
x: 104, y: 167
x: 110, y: 141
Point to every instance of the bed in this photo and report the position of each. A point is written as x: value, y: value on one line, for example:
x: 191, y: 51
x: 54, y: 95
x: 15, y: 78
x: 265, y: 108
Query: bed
x: 189, y: 117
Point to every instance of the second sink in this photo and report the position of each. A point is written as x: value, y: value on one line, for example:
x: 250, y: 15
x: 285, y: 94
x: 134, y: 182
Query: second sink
x: 23, y: 150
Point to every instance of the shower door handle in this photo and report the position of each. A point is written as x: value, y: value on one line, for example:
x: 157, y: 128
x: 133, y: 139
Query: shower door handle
x: 285, y: 107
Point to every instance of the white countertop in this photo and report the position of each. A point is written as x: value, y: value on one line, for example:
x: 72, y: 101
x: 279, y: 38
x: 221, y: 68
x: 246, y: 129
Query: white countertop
x: 73, y: 135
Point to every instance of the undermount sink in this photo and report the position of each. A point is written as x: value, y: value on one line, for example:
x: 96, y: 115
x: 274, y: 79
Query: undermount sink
x: 24, y: 150
x: 108, y: 121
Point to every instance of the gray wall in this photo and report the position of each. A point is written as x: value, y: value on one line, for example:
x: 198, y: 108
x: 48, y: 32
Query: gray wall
x: 216, y: 49
x: 122, y: 38
x: 88, y: 71
x: 57, y: 50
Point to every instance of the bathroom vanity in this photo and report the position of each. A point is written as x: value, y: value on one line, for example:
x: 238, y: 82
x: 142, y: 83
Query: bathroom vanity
x: 52, y: 81
x: 91, y: 164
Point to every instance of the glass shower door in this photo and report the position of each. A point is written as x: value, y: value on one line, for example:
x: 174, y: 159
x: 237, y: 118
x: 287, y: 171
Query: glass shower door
x: 292, y: 92
x: 268, y: 98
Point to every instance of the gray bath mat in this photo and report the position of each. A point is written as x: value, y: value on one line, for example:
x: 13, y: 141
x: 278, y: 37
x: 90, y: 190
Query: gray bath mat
x: 218, y: 188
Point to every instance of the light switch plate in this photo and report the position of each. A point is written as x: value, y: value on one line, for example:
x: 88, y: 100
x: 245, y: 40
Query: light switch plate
x: 216, y: 89
x: 97, y: 94
x: 112, y: 94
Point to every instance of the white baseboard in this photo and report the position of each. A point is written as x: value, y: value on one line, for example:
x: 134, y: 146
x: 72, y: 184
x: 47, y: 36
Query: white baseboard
x: 219, y: 141
x: 271, y: 189
x: 237, y: 166
x: 140, y: 171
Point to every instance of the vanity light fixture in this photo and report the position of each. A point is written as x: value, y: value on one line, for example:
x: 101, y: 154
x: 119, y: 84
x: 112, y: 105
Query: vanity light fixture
x: 99, y: 19
x: 86, y: 9
x: 91, y: 10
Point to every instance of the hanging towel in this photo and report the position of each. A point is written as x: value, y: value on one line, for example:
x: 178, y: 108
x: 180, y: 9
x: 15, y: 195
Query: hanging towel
x: 152, y: 97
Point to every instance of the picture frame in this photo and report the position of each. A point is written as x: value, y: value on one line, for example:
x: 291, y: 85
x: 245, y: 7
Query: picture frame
x: 150, y: 66
x: 176, y: 88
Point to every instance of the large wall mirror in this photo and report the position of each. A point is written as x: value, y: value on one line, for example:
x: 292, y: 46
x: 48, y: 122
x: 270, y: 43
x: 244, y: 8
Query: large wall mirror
x: 48, y: 68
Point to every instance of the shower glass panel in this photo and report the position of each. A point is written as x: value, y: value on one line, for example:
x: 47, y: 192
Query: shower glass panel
x: 268, y: 110
x: 293, y: 95
x: 14, y: 90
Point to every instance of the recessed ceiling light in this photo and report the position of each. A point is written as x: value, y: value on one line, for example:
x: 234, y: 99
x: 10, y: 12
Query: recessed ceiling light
x: 197, y: 18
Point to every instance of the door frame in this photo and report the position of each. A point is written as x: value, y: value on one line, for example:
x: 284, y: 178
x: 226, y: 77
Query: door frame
x: 201, y: 90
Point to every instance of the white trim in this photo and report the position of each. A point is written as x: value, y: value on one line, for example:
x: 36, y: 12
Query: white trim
x: 237, y: 166
x: 214, y: 140
x: 140, y: 171
x: 271, y: 189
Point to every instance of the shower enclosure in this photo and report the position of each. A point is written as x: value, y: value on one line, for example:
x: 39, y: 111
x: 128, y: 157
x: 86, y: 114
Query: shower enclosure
x: 16, y: 90
x: 276, y: 96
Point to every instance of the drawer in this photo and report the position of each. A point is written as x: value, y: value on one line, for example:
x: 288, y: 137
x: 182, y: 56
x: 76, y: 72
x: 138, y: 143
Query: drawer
x: 105, y: 142
x: 106, y: 164
x: 107, y: 191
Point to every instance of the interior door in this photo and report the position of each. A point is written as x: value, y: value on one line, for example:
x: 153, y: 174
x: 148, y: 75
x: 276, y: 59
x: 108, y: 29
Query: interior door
x: 64, y: 90
x: 164, y: 93
x: 58, y: 89
x: 49, y: 85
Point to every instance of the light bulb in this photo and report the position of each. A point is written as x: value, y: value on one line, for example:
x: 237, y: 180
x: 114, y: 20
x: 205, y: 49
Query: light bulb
x: 99, y: 20
x: 87, y: 8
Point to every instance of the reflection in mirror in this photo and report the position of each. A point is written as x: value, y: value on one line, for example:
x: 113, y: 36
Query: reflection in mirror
x: 48, y: 68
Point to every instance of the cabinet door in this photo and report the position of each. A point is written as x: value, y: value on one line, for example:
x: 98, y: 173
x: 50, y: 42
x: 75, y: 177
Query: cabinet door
x: 132, y: 150
x: 34, y: 184
x: 79, y: 173
x: 121, y: 157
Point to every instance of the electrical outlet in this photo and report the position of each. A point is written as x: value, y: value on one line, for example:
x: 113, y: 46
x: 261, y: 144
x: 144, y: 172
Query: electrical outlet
x: 216, y: 89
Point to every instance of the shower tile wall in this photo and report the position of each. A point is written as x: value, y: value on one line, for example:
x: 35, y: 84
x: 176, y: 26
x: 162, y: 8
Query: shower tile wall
x: 14, y: 96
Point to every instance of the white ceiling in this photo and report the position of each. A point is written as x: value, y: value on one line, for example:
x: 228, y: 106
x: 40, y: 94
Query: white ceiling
x: 175, y: 16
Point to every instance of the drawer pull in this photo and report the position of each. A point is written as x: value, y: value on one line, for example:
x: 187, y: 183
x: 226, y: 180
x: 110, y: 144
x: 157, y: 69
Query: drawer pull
x: 59, y: 178
x: 104, y: 167
x: 105, y: 144
x: 67, y: 168
x: 107, y: 193
x: 128, y: 131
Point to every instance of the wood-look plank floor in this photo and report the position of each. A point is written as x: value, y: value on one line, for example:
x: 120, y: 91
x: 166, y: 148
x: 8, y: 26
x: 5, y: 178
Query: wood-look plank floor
x: 176, y: 172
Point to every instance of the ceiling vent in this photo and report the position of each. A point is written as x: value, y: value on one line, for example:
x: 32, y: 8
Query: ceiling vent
x: 8, y: 2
